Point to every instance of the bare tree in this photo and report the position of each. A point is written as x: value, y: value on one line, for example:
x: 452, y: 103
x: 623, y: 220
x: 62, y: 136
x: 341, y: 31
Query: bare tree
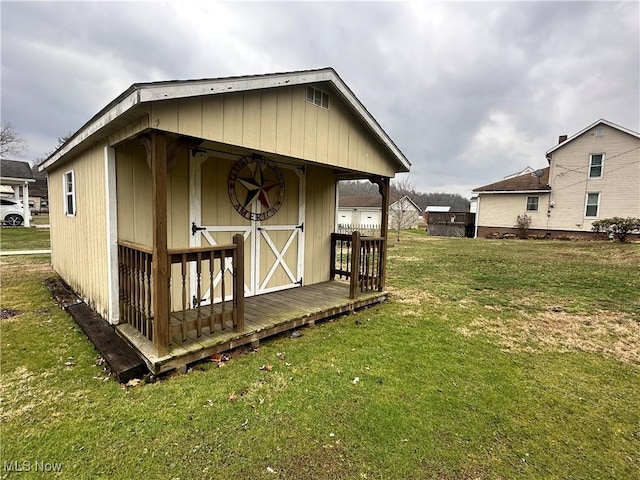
x: 11, y: 143
x: 400, y: 209
x: 401, y: 187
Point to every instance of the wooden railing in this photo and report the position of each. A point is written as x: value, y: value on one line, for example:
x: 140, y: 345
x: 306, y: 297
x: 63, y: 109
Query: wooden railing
x: 360, y: 260
x: 136, y: 281
x: 134, y: 273
x: 210, y: 265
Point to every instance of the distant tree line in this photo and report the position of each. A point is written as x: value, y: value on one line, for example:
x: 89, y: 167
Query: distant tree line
x: 457, y: 202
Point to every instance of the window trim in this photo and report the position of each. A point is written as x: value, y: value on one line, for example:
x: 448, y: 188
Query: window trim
x: 537, y: 197
x: 66, y: 193
x: 587, y: 204
x: 601, y: 155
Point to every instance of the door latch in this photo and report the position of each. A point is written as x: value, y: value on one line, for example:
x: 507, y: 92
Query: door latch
x: 195, y: 228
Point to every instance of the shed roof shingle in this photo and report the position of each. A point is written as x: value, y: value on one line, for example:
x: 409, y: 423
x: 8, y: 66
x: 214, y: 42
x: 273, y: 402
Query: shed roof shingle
x: 15, y: 169
x: 360, y: 201
x: 521, y: 183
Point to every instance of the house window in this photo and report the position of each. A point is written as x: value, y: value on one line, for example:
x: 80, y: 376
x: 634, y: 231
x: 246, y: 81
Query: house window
x: 596, y: 161
x: 532, y: 204
x: 317, y: 97
x: 593, y: 204
x: 69, y: 193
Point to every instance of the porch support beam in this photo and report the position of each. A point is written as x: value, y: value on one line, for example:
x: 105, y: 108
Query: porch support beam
x: 354, y: 279
x: 384, y: 187
x: 157, y: 142
x: 238, y: 283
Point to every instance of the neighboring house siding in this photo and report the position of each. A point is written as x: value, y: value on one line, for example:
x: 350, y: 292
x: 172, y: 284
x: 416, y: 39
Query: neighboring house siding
x: 365, y: 216
x: 502, y: 209
x: 619, y: 186
x: 79, y: 245
x: 278, y: 121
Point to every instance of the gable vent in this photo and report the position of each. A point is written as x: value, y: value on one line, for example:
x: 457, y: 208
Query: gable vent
x: 317, y: 97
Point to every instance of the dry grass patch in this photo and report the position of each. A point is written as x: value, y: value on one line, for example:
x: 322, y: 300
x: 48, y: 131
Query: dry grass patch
x: 21, y: 392
x: 613, y: 334
x: 410, y: 296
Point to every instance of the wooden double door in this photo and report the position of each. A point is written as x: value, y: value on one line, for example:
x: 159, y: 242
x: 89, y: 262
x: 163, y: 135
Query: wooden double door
x: 263, y: 201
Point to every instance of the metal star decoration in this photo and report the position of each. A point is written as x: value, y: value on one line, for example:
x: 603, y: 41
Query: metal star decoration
x: 257, y: 185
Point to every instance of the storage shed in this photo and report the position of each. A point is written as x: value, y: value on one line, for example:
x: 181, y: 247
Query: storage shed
x: 187, y: 213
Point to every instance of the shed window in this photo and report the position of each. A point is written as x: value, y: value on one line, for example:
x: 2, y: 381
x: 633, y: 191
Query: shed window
x: 532, y: 204
x: 596, y: 161
x: 593, y: 203
x: 317, y: 97
x: 69, y: 193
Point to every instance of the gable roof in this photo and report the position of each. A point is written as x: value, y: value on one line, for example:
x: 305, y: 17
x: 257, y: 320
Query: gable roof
x: 137, y: 94
x: 40, y: 188
x: 528, y: 182
x: 437, y: 208
x: 15, y: 170
x: 602, y: 121
x: 410, y: 201
x: 360, y: 201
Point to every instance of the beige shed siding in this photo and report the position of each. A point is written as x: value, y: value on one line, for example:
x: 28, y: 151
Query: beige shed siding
x: 134, y: 198
x: 319, y: 223
x: 278, y: 121
x: 134, y: 194
x: 619, y: 187
x: 179, y: 223
x: 79, y: 244
x: 502, y: 209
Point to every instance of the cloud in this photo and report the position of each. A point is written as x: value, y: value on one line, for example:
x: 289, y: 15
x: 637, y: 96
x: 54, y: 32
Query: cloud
x: 470, y: 92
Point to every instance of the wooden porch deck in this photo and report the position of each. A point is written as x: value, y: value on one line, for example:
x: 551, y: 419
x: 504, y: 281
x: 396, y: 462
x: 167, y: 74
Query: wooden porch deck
x: 265, y: 315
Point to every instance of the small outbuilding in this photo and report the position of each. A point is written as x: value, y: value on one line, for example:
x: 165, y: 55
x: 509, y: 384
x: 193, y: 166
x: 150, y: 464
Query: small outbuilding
x: 199, y: 215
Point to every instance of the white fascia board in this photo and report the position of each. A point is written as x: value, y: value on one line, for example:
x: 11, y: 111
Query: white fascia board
x: 595, y: 124
x: 150, y: 92
x: 373, y: 124
x: 19, y: 181
x: 513, y: 191
x: 95, y: 124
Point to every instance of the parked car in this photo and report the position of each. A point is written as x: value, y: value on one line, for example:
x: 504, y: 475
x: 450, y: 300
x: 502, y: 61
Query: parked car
x: 12, y: 212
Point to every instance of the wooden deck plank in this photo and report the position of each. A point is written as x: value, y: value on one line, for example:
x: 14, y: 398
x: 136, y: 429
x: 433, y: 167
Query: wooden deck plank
x: 265, y: 315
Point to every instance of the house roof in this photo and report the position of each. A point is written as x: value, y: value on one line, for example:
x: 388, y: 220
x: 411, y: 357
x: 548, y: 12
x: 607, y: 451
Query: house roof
x: 528, y: 182
x: 361, y: 201
x: 140, y: 93
x: 437, y: 208
x: 40, y: 188
x: 14, y: 171
x: 410, y: 201
x: 602, y: 121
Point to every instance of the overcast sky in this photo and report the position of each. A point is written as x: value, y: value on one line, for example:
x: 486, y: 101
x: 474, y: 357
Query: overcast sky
x: 470, y: 92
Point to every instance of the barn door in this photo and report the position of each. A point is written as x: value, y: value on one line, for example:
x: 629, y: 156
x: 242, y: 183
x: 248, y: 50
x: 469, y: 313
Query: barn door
x: 262, y: 201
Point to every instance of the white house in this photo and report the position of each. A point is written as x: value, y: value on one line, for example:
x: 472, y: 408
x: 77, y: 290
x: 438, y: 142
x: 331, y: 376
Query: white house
x: 593, y: 174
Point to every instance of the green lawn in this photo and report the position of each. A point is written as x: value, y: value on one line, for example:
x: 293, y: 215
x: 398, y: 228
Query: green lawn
x: 493, y: 359
x: 21, y: 238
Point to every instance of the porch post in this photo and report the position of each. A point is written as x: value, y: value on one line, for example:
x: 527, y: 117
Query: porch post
x: 354, y: 278
x: 238, y: 283
x: 384, y: 229
x: 160, y: 269
x: 25, y: 205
